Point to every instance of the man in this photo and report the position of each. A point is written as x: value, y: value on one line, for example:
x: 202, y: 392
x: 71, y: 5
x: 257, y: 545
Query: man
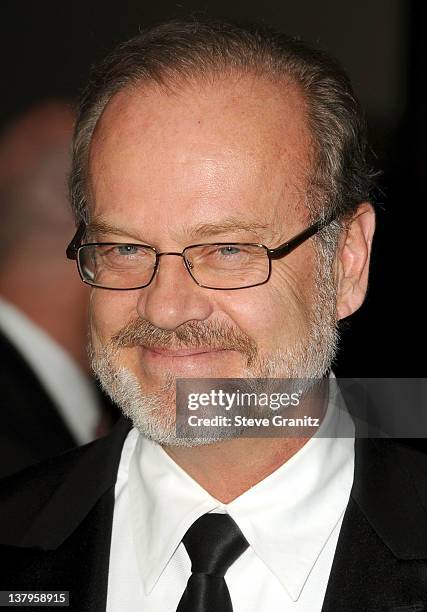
x: 222, y: 139
x: 48, y: 401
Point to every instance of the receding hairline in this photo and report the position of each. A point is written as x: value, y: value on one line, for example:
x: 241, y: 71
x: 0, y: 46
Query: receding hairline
x: 177, y: 86
x: 295, y: 103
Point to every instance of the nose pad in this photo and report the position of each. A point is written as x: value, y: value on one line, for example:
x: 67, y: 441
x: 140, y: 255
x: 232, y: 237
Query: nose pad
x: 158, y: 263
x: 187, y: 261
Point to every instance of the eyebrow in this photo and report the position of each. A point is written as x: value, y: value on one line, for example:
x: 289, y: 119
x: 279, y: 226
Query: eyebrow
x: 198, y: 231
x: 231, y: 224
x: 99, y: 226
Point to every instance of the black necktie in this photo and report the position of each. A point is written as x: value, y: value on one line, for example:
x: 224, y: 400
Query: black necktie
x: 213, y: 543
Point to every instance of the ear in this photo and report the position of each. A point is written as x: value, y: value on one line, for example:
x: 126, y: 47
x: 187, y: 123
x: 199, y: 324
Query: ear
x: 352, y: 263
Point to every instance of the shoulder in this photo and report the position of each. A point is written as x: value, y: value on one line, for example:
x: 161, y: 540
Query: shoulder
x: 71, y: 482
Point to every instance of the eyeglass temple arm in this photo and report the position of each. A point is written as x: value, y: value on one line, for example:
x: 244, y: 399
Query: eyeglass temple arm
x: 73, y: 247
x: 294, y: 242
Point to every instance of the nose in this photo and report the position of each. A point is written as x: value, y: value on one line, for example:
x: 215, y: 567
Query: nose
x: 173, y: 298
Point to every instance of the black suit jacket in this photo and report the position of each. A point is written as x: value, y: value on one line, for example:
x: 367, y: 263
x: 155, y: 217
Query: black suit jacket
x: 31, y: 428
x: 56, y: 521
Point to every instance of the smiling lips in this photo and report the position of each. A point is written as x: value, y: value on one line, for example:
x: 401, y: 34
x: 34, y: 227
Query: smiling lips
x: 166, y: 352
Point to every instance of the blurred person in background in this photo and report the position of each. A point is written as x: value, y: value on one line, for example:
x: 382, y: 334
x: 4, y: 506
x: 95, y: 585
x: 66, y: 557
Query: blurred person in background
x: 48, y: 401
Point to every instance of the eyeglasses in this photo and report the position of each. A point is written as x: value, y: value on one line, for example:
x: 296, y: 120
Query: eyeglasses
x: 220, y: 265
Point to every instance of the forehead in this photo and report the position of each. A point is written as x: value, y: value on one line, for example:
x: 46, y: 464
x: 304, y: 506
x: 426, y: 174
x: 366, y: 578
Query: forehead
x: 242, y: 145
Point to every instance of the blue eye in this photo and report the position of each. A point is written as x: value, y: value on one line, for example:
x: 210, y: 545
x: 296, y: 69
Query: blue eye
x: 229, y: 250
x: 127, y: 249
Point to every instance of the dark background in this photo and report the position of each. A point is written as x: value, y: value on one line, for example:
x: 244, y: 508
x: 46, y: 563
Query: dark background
x: 48, y: 47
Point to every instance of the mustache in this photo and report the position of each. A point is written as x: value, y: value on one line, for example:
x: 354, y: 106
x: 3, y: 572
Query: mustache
x: 193, y: 334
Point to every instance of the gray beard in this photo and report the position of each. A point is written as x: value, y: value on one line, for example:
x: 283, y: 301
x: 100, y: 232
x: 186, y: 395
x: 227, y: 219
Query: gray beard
x: 153, y: 413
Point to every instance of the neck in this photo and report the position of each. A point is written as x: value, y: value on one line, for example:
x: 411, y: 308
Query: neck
x: 229, y: 468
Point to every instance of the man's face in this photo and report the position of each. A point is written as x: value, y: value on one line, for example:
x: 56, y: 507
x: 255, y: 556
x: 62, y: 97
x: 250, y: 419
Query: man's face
x: 227, y: 162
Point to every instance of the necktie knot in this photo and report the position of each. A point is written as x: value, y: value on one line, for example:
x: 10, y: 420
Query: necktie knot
x: 213, y: 543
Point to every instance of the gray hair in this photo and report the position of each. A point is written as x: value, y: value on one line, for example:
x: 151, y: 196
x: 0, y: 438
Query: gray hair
x: 176, y: 52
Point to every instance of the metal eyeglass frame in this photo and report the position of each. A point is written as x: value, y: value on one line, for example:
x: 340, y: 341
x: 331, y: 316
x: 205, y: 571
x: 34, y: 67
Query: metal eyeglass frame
x: 277, y: 253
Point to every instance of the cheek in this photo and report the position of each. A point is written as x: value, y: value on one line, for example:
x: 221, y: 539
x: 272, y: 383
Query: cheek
x: 109, y: 311
x: 277, y: 310
x: 258, y: 312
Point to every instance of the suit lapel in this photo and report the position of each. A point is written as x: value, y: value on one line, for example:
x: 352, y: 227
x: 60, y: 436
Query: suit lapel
x: 381, y: 559
x: 79, y: 565
x: 64, y: 543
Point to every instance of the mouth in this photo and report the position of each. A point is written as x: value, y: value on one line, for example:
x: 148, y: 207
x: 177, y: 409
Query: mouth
x: 189, y: 362
x: 186, y: 352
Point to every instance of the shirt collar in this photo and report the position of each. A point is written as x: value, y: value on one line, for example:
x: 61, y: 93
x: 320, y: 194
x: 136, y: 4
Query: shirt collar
x: 287, y: 518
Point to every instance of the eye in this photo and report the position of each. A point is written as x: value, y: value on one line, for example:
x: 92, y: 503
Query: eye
x: 125, y: 255
x: 127, y: 249
x: 229, y: 250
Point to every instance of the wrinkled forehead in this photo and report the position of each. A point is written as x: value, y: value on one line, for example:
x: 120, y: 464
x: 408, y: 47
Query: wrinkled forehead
x: 226, y: 144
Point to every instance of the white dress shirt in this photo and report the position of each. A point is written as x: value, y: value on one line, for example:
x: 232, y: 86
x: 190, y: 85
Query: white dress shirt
x: 64, y: 381
x: 291, y: 520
